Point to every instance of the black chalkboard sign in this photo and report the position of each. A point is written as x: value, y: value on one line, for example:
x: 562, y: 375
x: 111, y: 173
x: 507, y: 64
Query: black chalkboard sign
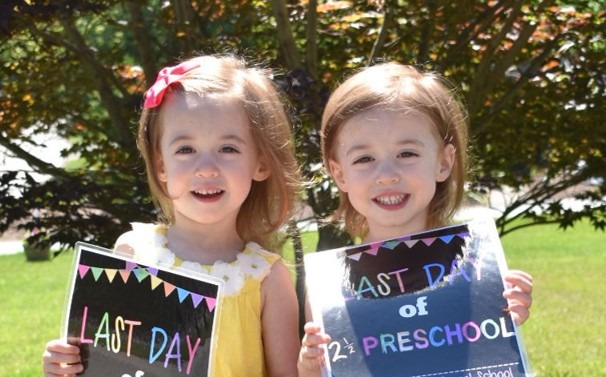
x: 137, y: 320
x: 422, y: 305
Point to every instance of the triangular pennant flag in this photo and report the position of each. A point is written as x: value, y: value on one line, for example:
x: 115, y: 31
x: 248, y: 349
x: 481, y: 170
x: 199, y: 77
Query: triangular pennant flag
x: 182, y: 294
x: 124, y: 274
x: 111, y: 274
x: 140, y: 273
x: 97, y: 271
x: 463, y: 234
x: 447, y: 238
x: 391, y: 244
x: 153, y: 271
x: 411, y: 243
x: 155, y: 282
x: 428, y: 241
x: 355, y: 256
x: 82, y: 270
x: 196, y: 298
x: 374, y: 249
x: 210, y: 303
x: 168, y: 288
x: 130, y: 266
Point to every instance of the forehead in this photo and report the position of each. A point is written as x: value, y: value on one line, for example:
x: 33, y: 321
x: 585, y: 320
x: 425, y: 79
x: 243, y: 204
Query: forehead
x: 213, y: 115
x: 378, y: 124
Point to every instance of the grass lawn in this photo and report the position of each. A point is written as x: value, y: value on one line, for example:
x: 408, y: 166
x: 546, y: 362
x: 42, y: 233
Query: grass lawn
x: 564, y: 337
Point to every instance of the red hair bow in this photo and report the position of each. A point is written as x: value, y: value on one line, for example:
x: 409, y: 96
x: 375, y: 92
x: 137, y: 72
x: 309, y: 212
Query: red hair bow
x: 167, y: 76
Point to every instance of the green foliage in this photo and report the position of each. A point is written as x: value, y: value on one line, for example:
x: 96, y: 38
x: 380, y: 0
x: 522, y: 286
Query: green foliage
x: 531, y: 75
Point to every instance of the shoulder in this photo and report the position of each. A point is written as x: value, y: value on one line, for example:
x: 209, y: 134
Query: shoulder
x: 142, y: 237
x: 255, y: 249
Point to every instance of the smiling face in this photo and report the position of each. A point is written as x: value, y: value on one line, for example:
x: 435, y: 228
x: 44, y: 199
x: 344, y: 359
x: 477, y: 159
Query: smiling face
x: 208, y: 158
x: 388, y: 164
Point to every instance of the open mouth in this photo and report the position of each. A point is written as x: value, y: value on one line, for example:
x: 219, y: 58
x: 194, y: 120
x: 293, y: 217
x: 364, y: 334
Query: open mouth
x: 391, y: 201
x: 208, y: 194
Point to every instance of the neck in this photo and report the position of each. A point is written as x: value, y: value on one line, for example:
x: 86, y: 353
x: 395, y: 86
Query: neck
x: 383, y: 233
x: 204, y: 244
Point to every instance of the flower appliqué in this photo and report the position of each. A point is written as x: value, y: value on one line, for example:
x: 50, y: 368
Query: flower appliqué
x: 254, y: 265
x: 231, y: 275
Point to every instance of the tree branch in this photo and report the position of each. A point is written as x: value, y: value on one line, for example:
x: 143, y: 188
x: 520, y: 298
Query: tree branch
x: 102, y: 79
x: 474, y: 28
x: 311, y: 45
x: 426, y: 31
x: 380, y: 41
x: 39, y: 165
x: 143, y: 42
x: 286, y: 39
x: 481, y: 82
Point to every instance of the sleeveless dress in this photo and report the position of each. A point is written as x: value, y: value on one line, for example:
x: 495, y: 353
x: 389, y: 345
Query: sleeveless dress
x: 238, y: 350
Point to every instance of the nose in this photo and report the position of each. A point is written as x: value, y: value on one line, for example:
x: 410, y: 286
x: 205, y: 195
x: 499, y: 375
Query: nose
x: 206, y: 167
x: 387, y: 174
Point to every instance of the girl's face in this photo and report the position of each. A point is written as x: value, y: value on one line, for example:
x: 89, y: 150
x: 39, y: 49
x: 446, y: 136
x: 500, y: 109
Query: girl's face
x: 388, y: 164
x: 208, y: 158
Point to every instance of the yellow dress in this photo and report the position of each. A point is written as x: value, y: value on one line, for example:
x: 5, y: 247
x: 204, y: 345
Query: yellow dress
x: 238, y: 350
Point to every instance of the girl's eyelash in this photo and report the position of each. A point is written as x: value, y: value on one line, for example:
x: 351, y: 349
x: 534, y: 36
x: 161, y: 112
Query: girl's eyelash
x: 362, y: 160
x: 182, y: 150
x: 229, y: 149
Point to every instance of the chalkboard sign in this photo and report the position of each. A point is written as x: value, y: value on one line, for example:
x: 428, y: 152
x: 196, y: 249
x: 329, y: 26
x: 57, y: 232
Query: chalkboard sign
x: 422, y: 305
x: 137, y: 320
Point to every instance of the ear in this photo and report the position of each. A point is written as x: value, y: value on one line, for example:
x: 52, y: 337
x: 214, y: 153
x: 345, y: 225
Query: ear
x: 160, y: 170
x: 263, y: 171
x: 447, y: 159
x: 336, y: 172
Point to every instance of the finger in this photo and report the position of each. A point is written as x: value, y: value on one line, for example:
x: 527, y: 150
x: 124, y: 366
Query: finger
x: 312, y: 328
x: 519, y: 313
x: 62, y: 369
x: 312, y: 352
x: 517, y: 297
x: 51, y: 357
x: 520, y: 279
x: 60, y: 346
x: 315, y: 340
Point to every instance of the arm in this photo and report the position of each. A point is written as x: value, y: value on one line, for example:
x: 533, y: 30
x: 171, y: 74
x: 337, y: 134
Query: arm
x: 61, y: 359
x: 519, y: 296
x: 311, y: 355
x: 280, y: 321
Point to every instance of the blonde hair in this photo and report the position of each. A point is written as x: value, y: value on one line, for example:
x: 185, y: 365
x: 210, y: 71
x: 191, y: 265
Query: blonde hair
x: 400, y: 88
x: 270, y: 203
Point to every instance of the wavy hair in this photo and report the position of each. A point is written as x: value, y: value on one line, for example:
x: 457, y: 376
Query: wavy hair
x: 403, y: 89
x: 270, y: 203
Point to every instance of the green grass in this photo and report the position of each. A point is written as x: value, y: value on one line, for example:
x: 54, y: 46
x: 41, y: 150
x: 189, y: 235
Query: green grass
x: 32, y: 299
x: 564, y: 336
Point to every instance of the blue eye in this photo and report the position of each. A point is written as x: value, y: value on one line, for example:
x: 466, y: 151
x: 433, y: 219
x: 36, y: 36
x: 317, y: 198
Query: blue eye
x: 362, y: 160
x: 229, y: 149
x: 185, y: 150
x: 408, y: 154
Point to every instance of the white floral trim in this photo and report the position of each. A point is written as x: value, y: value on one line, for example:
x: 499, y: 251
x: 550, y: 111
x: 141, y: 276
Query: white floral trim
x: 231, y: 275
x: 254, y: 265
x: 149, y: 243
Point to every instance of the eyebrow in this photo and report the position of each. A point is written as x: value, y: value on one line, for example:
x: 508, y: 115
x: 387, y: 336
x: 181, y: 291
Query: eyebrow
x: 228, y: 137
x: 362, y: 147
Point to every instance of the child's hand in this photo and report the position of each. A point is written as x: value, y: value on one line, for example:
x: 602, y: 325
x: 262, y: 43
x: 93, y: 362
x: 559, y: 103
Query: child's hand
x: 311, y: 356
x: 61, y: 359
x: 519, y: 296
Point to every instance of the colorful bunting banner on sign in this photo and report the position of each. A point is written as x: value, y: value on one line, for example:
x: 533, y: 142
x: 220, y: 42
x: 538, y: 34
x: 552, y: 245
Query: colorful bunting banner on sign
x: 141, y: 274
